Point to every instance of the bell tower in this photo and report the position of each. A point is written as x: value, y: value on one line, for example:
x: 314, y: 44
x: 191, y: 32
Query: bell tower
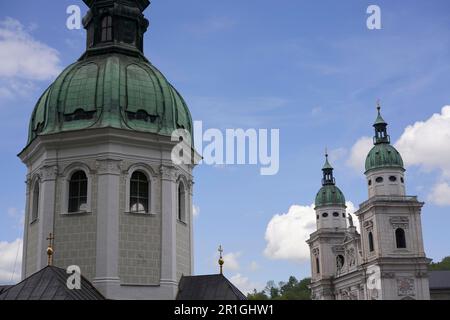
x: 391, y: 230
x: 331, y: 222
x: 101, y: 177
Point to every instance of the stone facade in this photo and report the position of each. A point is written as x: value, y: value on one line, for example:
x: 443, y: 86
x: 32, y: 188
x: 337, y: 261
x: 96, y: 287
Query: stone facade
x: 387, y: 260
x: 126, y: 255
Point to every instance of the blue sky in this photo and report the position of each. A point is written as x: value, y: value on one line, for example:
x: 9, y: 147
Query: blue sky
x: 309, y: 68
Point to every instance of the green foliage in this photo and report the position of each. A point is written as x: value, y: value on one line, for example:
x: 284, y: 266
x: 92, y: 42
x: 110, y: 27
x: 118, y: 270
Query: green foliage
x: 291, y: 290
x: 440, y: 266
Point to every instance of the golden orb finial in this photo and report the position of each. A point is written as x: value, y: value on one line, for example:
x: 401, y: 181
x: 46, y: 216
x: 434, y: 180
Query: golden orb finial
x: 221, y: 261
x: 50, y: 250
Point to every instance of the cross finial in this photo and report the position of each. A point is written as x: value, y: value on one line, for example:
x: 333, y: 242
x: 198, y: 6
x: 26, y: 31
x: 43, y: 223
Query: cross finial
x: 50, y: 249
x: 221, y: 261
x: 379, y: 106
x: 326, y: 152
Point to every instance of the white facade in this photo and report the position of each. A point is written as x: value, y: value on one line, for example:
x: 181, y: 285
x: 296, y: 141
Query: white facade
x: 387, y: 260
x: 125, y: 254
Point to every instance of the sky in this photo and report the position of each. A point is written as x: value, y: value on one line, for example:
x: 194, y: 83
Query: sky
x: 311, y: 69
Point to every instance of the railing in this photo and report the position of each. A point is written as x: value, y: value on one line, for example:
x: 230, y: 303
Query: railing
x: 389, y: 199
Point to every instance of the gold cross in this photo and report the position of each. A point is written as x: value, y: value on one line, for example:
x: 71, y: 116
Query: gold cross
x: 221, y: 261
x: 50, y: 249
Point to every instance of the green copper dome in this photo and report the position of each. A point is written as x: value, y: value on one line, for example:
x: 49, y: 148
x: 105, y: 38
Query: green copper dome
x: 383, y: 156
x: 330, y: 195
x: 112, y: 84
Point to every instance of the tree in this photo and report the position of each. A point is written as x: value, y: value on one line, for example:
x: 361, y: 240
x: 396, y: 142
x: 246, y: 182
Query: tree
x: 291, y: 290
x: 440, y: 266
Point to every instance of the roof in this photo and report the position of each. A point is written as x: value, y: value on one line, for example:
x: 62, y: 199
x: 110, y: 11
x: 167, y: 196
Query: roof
x: 439, y: 279
x: 330, y: 195
x: 113, y: 84
x: 383, y: 156
x: 4, y: 288
x: 50, y: 284
x: 209, y: 287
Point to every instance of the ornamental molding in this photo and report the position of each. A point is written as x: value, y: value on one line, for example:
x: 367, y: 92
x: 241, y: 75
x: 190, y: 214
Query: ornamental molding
x: 315, y: 251
x: 48, y: 173
x: 399, y: 222
x: 338, y: 250
x: 406, y: 287
x: 388, y: 275
x: 108, y: 166
x: 421, y: 274
x: 368, y: 224
x: 168, y: 173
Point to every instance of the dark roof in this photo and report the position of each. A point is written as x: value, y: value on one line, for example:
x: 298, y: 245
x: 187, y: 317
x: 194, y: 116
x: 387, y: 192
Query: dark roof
x: 439, y: 279
x: 4, y: 288
x: 50, y: 284
x: 211, y: 287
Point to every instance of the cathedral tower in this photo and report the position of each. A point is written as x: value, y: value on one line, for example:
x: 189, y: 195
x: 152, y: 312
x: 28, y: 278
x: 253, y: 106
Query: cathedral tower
x: 391, y: 231
x: 100, y: 171
x: 331, y: 224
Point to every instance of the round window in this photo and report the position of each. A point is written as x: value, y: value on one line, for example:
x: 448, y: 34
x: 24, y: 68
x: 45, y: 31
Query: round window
x: 379, y: 180
x: 335, y: 214
x: 370, y: 182
x: 324, y: 214
x: 317, y: 217
x: 343, y: 215
x: 402, y: 180
x: 392, y: 178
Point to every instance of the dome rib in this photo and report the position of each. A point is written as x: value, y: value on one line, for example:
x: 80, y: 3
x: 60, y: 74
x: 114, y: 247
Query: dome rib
x: 84, y: 97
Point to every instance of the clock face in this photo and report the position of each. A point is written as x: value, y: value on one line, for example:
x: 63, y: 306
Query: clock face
x: 129, y: 31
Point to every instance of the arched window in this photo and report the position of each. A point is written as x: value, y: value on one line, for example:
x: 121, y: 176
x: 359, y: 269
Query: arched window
x: 35, y: 206
x: 139, y: 191
x: 181, y: 202
x: 371, y: 247
x: 107, y: 28
x: 78, y: 192
x: 340, y: 262
x: 317, y: 266
x: 400, y: 238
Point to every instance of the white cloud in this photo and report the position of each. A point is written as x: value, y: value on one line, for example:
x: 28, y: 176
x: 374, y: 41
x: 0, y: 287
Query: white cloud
x: 425, y: 143
x: 359, y: 153
x: 244, y: 284
x: 440, y: 195
x: 351, y: 210
x: 24, y: 60
x: 337, y: 154
x: 195, y: 211
x: 24, y: 57
x: 254, y: 266
x: 10, y: 269
x: 231, y: 261
x: 286, y: 234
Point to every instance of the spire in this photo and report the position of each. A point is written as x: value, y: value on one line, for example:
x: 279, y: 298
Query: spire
x: 381, y: 135
x: 221, y: 261
x: 115, y: 25
x: 327, y: 170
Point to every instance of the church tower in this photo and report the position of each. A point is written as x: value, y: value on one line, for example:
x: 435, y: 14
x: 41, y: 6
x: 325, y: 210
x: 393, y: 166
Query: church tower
x: 331, y: 222
x: 101, y: 177
x: 394, y: 261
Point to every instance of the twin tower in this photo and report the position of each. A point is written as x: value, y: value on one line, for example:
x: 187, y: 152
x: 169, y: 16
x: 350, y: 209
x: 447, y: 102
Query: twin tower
x: 386, y: 261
